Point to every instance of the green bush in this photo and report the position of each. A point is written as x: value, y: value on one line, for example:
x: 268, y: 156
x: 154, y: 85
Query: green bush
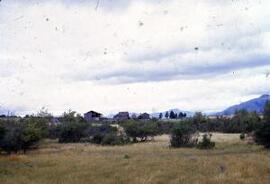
x: 126, y: 156
x: 19, y: 136
x: 206, y: 142
x: 140, y: 130
x: 262, y: 135
x: 242, y: 136
x: 183, y: 135
x: 266, y: 112
x: 113, y: 139
x: 2, y: 131
x: 54, y: 131
x: 71, y: 132
x: 41, y: 123
x: 96, y: 139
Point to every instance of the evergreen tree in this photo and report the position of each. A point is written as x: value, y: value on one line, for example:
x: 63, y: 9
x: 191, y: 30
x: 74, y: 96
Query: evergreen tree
x: 266, y: 113
x: 172, y: 115
x: 181, y: 115
x: 167, y: 115
x: 160, y: 115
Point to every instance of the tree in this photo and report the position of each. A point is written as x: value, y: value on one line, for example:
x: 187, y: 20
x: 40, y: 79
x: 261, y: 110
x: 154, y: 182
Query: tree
x: 167, y: 115
x: 2, y: 132
x: 19, y: 136
x: 199, y: 120
x: 30, y: 136
x: 172, y: 115
x: 44, y: 113
x: 182, y: 115
x: 183, y: 135
x: 71, y: 131
x: 266, y: 113
x: 113, y: 139
x: 206, y: 142
x: 243, y: 121
x: 132, y: 129
x: 141, y: 130
x: 133, y: 116
x: 72, y: 127
x: 96, y: 134
x: 149, y: 129
x: 262, y: 135
x: 71, y: 116
x: 38, y: 122
x: 160, y: 116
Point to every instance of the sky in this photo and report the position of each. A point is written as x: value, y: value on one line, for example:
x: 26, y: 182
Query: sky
x: 132, y: 55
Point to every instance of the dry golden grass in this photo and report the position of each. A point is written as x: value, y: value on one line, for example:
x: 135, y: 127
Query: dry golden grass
x: 232, y: 161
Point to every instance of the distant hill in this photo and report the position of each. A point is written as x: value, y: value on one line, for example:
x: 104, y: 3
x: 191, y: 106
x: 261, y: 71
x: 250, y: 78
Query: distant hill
x: 256, y: 104
x: 156, y: 114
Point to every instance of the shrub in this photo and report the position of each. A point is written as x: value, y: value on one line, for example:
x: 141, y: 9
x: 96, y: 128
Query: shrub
x: 262, y: 135
x: 266, y: 112
x: 164, y: 127
x: 113, y: 139
x: 2, y: 131
x: 96, y: 139
x: 30, y: 136
x: 141, y: 130
x: 54, y: 131
x: 41, y: 123
x: 242, y: 136
x: 243, y: 121
x: 95, y: 134
x: 104, y: 135
x: 19, y: 136
x: 183, y: 135
x: 126, y: 156
x: 71, y: 132
x: 206, y: 142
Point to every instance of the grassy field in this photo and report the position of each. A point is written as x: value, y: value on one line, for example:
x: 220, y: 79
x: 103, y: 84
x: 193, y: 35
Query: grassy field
x: 232, y: 161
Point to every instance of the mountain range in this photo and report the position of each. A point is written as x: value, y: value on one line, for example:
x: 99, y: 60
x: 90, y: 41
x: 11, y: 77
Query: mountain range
x: 256, y: 104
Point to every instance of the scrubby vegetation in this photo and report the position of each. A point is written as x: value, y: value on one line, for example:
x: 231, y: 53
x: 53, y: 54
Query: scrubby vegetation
x: 20, y: 134
x: 262, y: 134
x: 183, y: 135
x: 242, y: 136
x: 206, y: 142
x: 232, y: 161
x: 84, y: 161
x: 242, y: 121
x: 140, y: 130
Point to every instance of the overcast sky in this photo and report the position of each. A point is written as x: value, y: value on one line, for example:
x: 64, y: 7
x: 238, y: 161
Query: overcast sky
x: 134, y: 55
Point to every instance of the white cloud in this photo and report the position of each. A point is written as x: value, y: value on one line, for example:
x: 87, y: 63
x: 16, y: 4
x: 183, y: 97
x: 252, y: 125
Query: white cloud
x: 132, y: 55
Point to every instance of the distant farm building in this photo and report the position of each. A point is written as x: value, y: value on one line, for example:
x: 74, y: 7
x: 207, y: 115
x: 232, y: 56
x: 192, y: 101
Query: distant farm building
x: 121, y: 116
x: 144, y: 116
x: 92, y: 116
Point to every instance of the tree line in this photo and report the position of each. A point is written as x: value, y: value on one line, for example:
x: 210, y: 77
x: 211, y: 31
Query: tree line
x: 21, y: 134
x: 172, y: 115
